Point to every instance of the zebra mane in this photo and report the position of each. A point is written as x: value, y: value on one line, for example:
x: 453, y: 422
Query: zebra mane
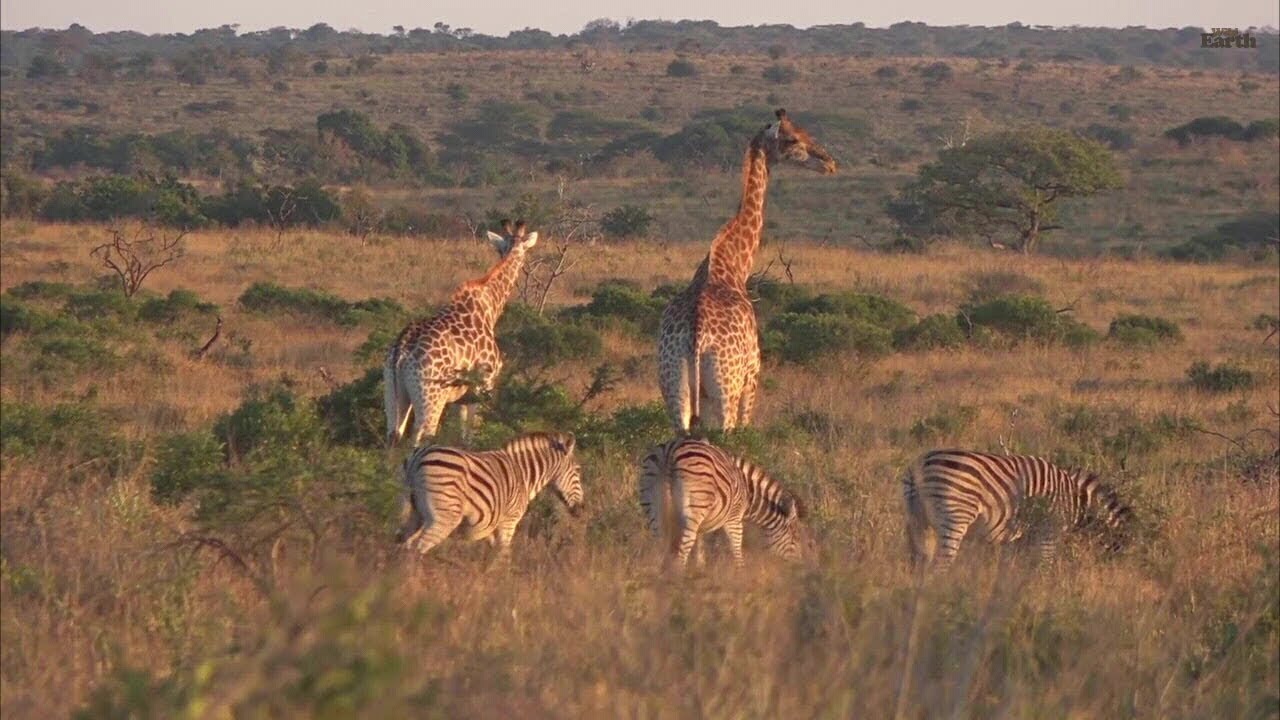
x: 560, y: 442
x: 758, y: 480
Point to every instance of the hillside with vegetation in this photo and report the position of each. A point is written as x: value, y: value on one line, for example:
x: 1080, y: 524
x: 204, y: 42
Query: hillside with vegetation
x: 203, y: 259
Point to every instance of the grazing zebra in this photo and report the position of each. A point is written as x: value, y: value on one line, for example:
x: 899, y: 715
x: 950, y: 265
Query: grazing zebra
x: 486, y: 492
x: 946, y: 491
x: 689, y: 486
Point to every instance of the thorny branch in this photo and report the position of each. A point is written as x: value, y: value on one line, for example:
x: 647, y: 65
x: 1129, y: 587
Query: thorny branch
x: 134, y: 259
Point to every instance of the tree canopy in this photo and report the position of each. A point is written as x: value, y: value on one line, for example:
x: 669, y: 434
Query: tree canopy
x: 1007, y: 184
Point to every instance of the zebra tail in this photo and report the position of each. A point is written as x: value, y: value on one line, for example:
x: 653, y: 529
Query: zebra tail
x: 919, y: 536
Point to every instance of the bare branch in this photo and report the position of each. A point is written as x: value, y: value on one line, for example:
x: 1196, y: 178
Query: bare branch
x: 134, y: 259
x: 217, y: 332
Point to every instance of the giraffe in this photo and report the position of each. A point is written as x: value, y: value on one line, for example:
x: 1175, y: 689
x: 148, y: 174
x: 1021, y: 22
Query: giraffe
x: 426, y: 366
x: 709, y: 329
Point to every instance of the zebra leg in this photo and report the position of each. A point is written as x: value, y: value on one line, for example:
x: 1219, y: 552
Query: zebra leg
x: 438, y: 526
x: 950, y: 536
x: 688, y: 538
x: 733, y: 531
x: 505, y: 532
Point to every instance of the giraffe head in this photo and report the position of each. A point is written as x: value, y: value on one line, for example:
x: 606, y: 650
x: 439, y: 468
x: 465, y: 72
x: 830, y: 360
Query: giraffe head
x: 512, y: 237
x: 784, y: 140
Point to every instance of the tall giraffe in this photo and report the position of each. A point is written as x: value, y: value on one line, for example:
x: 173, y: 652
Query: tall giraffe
x: 426, y: 366
x: 709, y: 346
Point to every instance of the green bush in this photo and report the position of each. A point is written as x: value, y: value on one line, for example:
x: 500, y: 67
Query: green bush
x: 178, y: 305
x: 531, y: 342
x: 267, y: 297
x: 1267, y: 129
x: 1113, y: 137
x: 802, y: 338
x: 354, y: 412
x: 16, y: 316
x: 935, y: 332
x: 1224, y: 378
x: 781, y: 74
x: 79, y: 433
x: 680, y: 68
x: 1215, y: 126
x: 713, y: 138
x: 1025, y: 317
x: 1250, y: 233
x: 1143, y: 330
x: 944, y: 424
x: 626, y: 221
x: 937, y: 72
x: 872, y: 309
x: 621, y: 304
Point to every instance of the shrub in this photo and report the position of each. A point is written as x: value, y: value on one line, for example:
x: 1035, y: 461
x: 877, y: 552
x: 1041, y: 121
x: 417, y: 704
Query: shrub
x: 712, y: 138
x: 781, y: 74
x: 802, y: 338
x: 1215, y: 126
x: 1221, y: 379
x: 935, y: 332
x: 626, y: 221
x: 1267, y: 129
x: 45, y: 67
x: 1113, y: 137
x: 910, y: 105
x: 267, y: 297
x: 944, y: 424
x: 937, y: 72
x: 1143, y: 330
x: 77, y: 432
x: 1251, y: 233
x: 1026, y: 317
x: 532, y: 342
x: 15, y: 316
x: 354, y: 413
x: 887, y: 72
x: 1120, y: 111
x: 680, y: 68
x: 623, y: 305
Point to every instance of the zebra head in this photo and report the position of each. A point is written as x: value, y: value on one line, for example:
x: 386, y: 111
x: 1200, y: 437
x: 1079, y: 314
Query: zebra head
x: 1100, y: 505
x: 785, y: 536
x: 567, y: 480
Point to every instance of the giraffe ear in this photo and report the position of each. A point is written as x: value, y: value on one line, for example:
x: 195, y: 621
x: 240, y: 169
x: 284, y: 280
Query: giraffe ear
x: 531, y: 239
x: 499, y: 243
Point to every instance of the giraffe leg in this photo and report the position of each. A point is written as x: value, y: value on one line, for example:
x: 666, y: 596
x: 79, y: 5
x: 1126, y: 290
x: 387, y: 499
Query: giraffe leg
x: 747, y: 401
x: 464, y: 420
x: 713, y: 382
x: 427, y: 413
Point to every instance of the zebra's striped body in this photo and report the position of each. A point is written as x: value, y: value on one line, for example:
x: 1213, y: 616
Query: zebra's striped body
x: 690, y: 486
x: 486, y: 493
x: 945, y: 492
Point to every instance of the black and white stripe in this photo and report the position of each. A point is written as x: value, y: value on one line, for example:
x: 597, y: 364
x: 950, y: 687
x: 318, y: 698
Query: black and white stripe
x: 690, y: 486
x: 945, y: 492
x: 486, y: 493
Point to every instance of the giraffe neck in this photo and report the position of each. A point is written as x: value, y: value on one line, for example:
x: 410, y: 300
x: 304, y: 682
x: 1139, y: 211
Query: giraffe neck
x: 496, y: 287
x: 733, y: 251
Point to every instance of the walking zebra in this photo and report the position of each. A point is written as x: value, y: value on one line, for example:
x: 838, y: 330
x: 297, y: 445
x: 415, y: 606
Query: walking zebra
x: 946, y: 491
x: 690, y: 486
x: 485, y: 492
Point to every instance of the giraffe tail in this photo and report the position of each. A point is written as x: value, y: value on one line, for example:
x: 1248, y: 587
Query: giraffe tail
x: 393, y: 398
x: 695, y: 379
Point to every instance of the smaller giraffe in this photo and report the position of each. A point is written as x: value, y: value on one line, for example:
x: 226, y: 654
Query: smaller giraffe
x: 709, y: 347
x: 428, y: 365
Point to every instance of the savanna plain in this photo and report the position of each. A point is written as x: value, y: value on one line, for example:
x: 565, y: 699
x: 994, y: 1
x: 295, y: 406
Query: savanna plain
x: 209, y: 534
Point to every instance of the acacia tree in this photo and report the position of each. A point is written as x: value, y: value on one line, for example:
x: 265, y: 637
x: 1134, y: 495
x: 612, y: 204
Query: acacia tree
x: 1005, y: 184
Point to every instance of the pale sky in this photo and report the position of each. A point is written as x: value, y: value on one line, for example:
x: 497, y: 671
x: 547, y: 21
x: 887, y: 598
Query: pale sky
x: 498, y: 17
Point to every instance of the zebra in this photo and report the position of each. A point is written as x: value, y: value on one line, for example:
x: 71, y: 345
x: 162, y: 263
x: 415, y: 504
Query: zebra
x: 944, y: 492
x: 688, y: 486
x: 485, y: 492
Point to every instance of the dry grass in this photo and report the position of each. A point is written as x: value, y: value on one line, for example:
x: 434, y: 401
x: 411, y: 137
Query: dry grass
x: 1184, y: 624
